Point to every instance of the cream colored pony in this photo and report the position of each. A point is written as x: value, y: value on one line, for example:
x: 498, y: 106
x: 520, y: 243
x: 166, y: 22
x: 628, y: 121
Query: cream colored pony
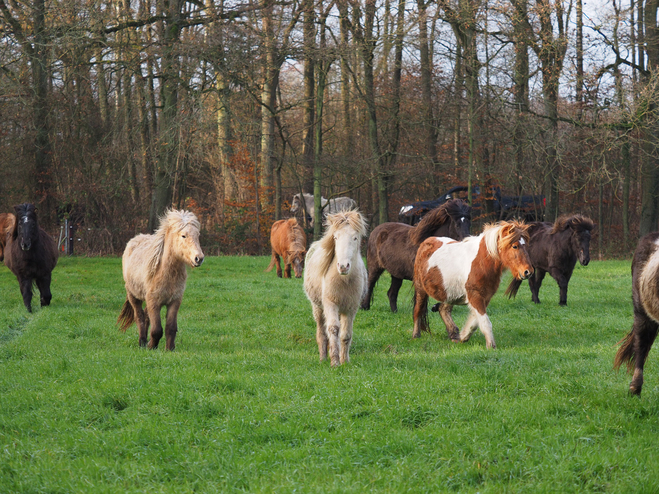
x: 154, y: 268
x: 334, y: 282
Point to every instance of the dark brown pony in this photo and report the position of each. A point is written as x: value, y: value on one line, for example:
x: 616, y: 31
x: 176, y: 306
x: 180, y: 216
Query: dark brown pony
x: 392, y: 246
x: 635, y: 346
x: 31, y: 254
x: 289, y: 241
x: 554, y: 249
x: 7, y: 221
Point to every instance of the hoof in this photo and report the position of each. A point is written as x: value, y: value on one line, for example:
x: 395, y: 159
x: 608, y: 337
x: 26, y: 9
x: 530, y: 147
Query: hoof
x: 435, y: 308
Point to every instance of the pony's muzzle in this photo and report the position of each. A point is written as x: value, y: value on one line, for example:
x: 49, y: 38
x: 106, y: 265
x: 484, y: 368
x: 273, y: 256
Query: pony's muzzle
x: 583, y: 259
x: 526, y: 274
x: 344, y: 269
x: 198, y: 261
x: 25, y: 245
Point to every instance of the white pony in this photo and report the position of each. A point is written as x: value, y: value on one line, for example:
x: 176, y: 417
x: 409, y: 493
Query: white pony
x: 335, y: 205
x: 154, y: 268
x: 334, y: 282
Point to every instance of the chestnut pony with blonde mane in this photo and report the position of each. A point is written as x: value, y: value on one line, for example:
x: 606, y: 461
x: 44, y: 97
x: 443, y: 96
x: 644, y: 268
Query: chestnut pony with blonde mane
x: 7, y: 222
x: 334, y: 282
x: 468, y: 273
x: 288, y: 240
x: 154, y: 268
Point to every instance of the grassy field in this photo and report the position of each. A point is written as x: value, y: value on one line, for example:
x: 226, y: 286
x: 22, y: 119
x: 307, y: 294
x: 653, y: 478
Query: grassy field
x: 244, y: 405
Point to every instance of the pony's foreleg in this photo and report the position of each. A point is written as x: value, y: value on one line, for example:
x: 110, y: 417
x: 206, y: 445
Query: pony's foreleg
x: 392, y: 293
x: 25, y: 285
x: 451, y: 328
x: 171, y: 325
x: 332, y: 327
x: 346, y: 337
x: 153, y: 310
x: 43, y: 284
x: 287, y: 269
x: 469, y: 327
x: 321, y: 335
x: 562, y: 281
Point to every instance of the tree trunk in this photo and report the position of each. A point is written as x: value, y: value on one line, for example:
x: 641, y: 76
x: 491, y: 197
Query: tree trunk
x: 309, y: 33
x: 426, y: 85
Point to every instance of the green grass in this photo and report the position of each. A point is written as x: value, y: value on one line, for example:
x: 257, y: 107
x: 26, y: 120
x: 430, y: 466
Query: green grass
x: 244, y: 405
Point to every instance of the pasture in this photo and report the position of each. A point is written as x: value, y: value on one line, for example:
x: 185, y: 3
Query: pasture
x: 244, y: 405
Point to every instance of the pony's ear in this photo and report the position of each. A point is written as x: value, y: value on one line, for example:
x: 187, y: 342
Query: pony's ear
x: 17, y: 208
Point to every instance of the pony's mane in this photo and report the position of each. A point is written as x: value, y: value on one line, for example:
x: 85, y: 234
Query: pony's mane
x: 173, y: 220
x: 334, y: 222
x: 455, y: 209
x: 578, y: 222
x: 496, y: 239
x: 295, y: 235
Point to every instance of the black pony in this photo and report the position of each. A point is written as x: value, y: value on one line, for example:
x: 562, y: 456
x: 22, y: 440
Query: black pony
x: 554, y: 249
x: 31, y: 254
x: 635, y: 346
x: 393, y: 246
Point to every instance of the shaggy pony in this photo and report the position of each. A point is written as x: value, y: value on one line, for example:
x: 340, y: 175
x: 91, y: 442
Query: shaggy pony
x: 334, y: 282
x: 288, y: 240
x: 154, y: 269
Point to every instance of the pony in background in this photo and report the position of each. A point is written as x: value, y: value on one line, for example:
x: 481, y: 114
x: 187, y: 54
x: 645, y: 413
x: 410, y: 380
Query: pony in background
x: 468, y: 273
x: 154, y: 269
x: 634, y: 347
x: 306, y: 205
x: 288, y: 240
x: 30, y: 253
x: 554, y: 249
x: 334, y: 282
x: 392, y: 246
x: 7, y: 221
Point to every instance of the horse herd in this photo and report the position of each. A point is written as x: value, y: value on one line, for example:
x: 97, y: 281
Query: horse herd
x: 438, y: 255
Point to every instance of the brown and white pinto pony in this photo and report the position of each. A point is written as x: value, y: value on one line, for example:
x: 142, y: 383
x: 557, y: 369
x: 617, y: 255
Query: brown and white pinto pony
x: 288, y: 240
x: 634, y: 347
x: 334, y: 282
x: 154, y: 268
x: 468, y: 273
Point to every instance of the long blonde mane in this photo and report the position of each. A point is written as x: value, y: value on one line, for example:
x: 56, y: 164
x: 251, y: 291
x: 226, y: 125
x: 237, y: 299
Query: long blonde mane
x: 172, y: 221
x: 499, y: 236
x: 343, y: 219
x: 296, y: 236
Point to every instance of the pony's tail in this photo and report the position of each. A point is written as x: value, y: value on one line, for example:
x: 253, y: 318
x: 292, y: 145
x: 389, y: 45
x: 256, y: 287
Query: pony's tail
x: 513, y: 288
x: 127, y: 316
x: 422, y: 318
x: 625, y: 352
x: 272, y: 265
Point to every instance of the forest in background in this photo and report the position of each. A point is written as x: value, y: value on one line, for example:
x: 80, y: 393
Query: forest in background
x: 114, y: 110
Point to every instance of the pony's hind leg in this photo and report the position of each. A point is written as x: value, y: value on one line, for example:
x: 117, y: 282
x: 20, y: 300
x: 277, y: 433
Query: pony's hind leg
x: 25, y: 285
x: 374, y: 273
x: 153, y: 310
x: 141, y: 319
x: 420, y: 314
x: 321, y: 335
x: 345, y: 335
x: 393, y: 293
x: 43, y: 284
x: 171, y: 325
x: 645, y: 332
x: 451, y: 328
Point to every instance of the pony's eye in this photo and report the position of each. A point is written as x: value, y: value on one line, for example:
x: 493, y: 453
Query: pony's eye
x: 515, y: 246
x: 183, y: 236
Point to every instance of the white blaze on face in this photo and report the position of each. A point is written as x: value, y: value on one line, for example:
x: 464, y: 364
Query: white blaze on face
x: 346, y: 248
x: 25, y: 219
x: 454, y: 260
x: 522, y: 242
x: 462, y: 219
